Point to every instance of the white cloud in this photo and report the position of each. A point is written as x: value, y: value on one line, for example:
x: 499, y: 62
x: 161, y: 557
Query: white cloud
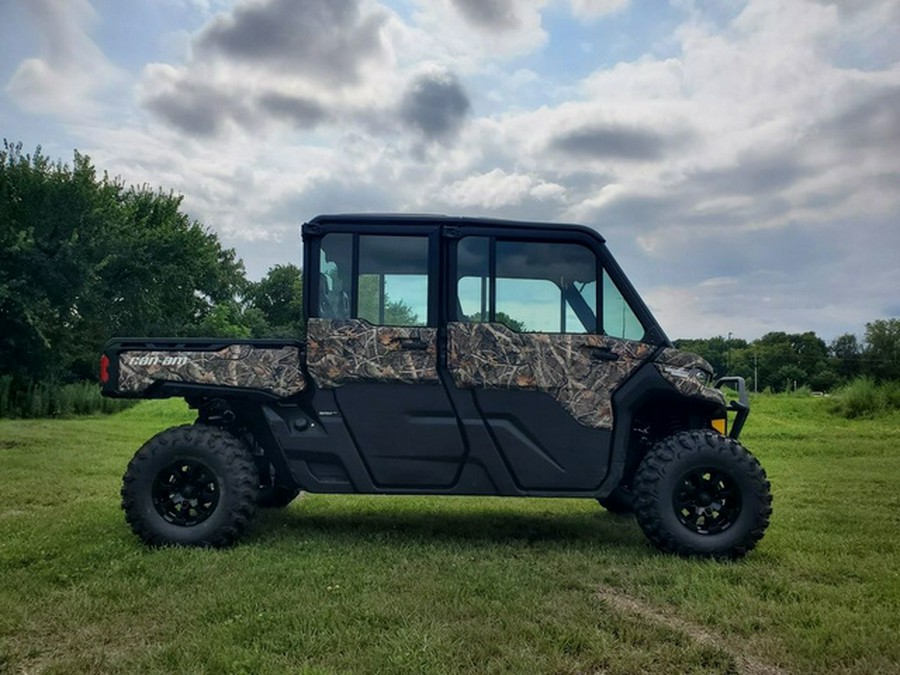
x: 265, y: 69
x: 470, y: 33
x: 641, y: 80
x: 591, y: 9
x: 71, y: 69
x: 771, y: 114
x: 497, y: 189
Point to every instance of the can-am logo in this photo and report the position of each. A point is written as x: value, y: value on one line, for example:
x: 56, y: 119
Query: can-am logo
x: 156, y: 360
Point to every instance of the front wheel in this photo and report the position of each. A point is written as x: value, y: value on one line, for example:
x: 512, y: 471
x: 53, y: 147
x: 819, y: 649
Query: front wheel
x: 193, y: 485
x: 698, y: 493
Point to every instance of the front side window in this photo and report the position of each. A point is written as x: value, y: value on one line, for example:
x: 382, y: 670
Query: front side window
x: 536, y: 287
x: 619, y: 319
x: 540, y: 287
x: 546, y: 287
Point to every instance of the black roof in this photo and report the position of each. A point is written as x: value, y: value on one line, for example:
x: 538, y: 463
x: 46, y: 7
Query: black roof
x: 439, y: 219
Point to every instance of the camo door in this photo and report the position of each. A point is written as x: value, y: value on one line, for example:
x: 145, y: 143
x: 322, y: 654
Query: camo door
x: 373, y: 342
x: 529, y: 343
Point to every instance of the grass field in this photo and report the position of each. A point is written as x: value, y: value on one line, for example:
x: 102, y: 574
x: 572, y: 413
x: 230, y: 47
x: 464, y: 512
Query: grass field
x: 405, y: 584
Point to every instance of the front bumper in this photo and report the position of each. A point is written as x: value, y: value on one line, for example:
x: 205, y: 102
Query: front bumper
x: 741, y: 407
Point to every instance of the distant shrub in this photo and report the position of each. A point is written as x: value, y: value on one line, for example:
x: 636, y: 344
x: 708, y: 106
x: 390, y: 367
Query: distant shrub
x: 863, y: 397
x: 892, y: 394
x: 21, y: 398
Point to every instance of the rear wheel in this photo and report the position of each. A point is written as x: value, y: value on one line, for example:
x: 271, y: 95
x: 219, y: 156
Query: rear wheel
x: 193, y: 485
x: 698, y: 493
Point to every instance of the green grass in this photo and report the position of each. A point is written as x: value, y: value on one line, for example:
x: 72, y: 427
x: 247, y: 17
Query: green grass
x: 408, y: 584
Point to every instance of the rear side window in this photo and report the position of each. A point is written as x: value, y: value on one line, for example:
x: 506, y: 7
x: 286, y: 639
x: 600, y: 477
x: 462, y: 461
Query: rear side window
x: 393, y: 280
x: 386, y: 284
x: 335, y: 276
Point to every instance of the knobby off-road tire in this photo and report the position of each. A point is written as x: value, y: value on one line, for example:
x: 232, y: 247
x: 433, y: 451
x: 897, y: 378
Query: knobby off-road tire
x: 620, y: 501
x: 698, y: 493
x: 192, y: 485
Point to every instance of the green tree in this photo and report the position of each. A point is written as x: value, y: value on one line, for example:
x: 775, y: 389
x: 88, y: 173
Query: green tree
x: 846, y: 355
x: 232, y: 319
x: 824, y: 379
x: 789, y: 377
x: 771, y: 360
x: 719, y: 351
x: 811, y: 351
x: 881, y: 358
x: 279, y: 298
x: 504, y: 318
x: 49, y: 217
x: 790, y: 357
x: 83, y: 258
x: 372, y: 299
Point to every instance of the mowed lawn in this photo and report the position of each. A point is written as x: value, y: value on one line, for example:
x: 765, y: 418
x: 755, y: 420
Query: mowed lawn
x: 416, y: 585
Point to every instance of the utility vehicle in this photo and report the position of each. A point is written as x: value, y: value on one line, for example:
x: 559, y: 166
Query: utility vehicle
x: 446, y: 356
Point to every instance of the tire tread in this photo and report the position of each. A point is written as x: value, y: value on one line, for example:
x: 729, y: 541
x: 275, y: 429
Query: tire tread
x: 677, y: 447
x: 241, y: 506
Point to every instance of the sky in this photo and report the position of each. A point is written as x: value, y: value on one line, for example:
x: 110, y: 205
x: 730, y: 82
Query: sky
x: 742, y: 159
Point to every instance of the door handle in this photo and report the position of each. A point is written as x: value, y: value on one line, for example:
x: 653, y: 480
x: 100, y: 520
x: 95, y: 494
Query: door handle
x: 604, y: 354
x: 412, y: 344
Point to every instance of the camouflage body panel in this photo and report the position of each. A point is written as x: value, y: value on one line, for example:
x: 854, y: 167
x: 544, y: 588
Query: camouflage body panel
x: 675, y: 366
x: 679, y: 359
x: 272, y: 369
x: 339, y: 351
x: 490, y: 355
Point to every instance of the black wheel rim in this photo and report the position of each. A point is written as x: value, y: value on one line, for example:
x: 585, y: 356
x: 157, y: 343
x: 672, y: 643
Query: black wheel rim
x: 707, y: 500
x: 185, y: 493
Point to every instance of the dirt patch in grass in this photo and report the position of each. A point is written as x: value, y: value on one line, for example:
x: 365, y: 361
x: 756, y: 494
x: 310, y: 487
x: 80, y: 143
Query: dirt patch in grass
x: 747, y: 663
x: 8, y: 445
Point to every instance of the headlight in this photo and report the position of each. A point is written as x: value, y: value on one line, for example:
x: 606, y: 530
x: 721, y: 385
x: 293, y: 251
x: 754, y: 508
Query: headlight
x: 698, y: 374
x: 701, y: 376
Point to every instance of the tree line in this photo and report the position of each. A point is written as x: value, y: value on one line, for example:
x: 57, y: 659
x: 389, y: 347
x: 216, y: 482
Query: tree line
x: 84, y: 258
x: 783, y: 361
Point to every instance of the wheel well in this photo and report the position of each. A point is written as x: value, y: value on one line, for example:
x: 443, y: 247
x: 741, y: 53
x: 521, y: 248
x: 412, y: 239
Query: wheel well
x: 242, y: 418
x: 657, y: 418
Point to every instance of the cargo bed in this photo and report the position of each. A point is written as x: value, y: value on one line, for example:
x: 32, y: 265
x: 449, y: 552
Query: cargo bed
x: 167, y: 367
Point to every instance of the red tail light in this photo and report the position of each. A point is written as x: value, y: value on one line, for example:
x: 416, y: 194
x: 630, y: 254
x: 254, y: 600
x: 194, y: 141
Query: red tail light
x: 104, y: 369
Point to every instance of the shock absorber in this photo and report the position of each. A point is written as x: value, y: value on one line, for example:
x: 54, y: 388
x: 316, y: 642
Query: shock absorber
x: 216, y: 412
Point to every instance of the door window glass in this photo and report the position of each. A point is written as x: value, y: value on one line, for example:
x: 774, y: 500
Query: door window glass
x: 543, y: 287
x: 393, y: 280
x: 537, y: 286
x: 546, y: 287
x: 529, y: 305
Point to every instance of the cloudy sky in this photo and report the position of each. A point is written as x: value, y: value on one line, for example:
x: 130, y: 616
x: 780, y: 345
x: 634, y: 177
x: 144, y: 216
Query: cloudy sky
x: 741, y: 158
